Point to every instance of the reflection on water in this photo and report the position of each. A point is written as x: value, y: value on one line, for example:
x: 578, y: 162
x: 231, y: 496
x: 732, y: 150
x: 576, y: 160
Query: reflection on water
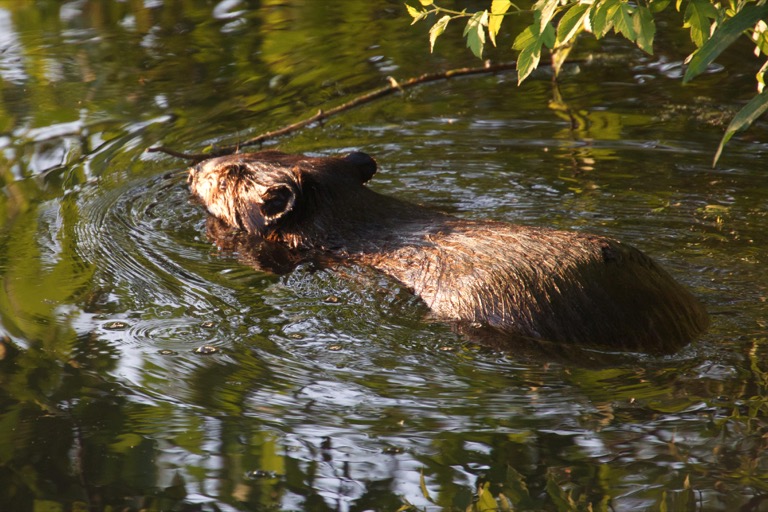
x: 334, y: 389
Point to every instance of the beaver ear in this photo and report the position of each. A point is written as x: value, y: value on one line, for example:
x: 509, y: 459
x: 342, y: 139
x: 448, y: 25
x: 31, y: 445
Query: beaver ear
x: 272, y: 205
x: 277, y: 201
x: 364, y: 164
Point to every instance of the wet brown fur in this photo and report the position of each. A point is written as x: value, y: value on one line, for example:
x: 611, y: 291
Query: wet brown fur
x: 560, y: 286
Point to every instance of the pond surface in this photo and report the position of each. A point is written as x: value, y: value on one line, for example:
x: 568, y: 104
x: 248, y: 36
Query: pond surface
x: 334, y: 390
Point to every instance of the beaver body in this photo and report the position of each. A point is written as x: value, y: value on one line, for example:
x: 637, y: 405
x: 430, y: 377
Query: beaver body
x: 560, y: 286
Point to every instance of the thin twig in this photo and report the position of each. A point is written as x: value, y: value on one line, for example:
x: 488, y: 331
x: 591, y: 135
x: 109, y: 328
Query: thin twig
x: 368, y: 97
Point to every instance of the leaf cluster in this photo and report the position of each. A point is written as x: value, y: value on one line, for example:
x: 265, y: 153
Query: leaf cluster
x: 556, y: 25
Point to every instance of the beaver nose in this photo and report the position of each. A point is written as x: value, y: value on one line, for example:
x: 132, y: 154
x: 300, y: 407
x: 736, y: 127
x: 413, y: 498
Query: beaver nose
x: 195, y: 170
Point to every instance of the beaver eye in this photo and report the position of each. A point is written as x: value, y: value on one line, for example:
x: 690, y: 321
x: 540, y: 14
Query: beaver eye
x: 222, y: 184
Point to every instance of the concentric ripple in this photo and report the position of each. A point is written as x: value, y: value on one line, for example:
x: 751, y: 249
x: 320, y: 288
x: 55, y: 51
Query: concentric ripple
x: 141, y: 234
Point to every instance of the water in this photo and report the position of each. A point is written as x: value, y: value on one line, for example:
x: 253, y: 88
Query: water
x: 335, y: 389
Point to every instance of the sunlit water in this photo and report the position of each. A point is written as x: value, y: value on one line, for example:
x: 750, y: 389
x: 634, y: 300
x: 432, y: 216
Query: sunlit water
x: 143, y: 366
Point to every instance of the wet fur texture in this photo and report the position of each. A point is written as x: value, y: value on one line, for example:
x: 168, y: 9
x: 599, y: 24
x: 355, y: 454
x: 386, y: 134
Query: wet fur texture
x: 531, y: 282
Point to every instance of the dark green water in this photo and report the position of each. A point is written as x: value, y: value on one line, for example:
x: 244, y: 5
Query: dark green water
x: 334, y: 390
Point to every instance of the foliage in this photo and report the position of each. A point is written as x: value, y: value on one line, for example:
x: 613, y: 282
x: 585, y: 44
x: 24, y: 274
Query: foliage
x: 556, y: 25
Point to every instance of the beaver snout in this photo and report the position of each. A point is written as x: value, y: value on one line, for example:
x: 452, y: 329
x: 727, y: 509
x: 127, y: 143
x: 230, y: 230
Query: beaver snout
x: 191, y: 173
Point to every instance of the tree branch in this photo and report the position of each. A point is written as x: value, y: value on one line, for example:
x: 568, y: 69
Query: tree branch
x: 368, y: 97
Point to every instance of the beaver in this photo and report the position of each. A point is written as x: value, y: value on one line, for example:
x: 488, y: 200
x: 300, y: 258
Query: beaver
x: 523, y: 281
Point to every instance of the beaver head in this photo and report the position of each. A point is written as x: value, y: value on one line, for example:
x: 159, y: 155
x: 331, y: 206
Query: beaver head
x: 268, y: 192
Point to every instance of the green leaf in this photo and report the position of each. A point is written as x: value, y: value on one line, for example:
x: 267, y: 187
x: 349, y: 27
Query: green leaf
x: 546, y: 10
x: 599, y: 20
x: 515, y: 486
x: 548, y: 36
x: 498, y: 9
x: 724, y: 36
x: 529, y: 43
x: 761, y: 44
x: 526, y: 38
x: 697, y: 16
x: 756, y: 107
x: 656, y: 6
x: 423, y: 485
x: 569, y: 27
x: 561, y: 499
x: 426, y: 3
x: 571, y: 23
x: 485, y: 500
x: 761, y: 77
x: 437, y: 29
x: 475, y: 32
x: 621, y: 16
x: 530, y: 52
x: 645, y: 28
x: 125, y: 442
x: 47, y: 506
x: 415, y: 13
